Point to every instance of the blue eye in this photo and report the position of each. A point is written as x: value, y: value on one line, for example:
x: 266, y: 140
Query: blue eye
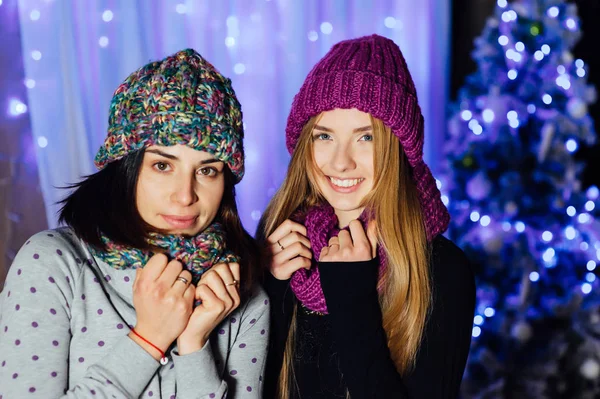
x: 321, y: 136
x: 367, y: 137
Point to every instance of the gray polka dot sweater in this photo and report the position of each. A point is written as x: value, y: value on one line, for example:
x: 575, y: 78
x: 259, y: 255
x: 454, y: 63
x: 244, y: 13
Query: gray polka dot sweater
x: 64, y: 320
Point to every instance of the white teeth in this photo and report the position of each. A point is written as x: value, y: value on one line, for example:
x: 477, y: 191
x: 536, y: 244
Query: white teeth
x: 345, y: 182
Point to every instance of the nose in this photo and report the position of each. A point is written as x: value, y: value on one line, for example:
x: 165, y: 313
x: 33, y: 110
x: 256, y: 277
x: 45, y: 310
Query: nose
x: 184, y: 192
x: 342, y: 158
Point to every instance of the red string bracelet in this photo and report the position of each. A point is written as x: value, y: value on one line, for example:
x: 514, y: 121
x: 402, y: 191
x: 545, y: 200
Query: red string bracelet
x: 163, y: 358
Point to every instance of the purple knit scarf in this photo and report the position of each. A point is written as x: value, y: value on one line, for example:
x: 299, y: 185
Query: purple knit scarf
x: 321, y: 224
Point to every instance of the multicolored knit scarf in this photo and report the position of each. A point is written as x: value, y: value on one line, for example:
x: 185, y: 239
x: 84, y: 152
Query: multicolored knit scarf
x: 321, y: 224
x: 197, y: 254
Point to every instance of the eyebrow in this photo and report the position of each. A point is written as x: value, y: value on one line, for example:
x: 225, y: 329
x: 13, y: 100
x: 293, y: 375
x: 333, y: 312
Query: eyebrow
x: 363, y: 129
x: 357, y: 130
x: 174, y: 158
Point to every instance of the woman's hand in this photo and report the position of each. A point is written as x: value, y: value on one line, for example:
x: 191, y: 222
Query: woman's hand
x: 351, y: 246
x: 290, y: 250
x: 163, y: 299
x: 218, y: 290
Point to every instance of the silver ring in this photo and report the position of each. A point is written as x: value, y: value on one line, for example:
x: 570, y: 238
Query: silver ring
x: 234, y: 282
x: 280, y: 246
x: 182, y: 279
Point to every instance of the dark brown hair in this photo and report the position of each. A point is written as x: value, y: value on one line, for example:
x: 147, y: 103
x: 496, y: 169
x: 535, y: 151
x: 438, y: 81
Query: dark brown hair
x: 105, y: 203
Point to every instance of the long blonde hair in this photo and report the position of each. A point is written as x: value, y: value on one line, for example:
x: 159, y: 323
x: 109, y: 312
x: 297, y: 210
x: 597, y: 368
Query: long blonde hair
x: 405, y: 294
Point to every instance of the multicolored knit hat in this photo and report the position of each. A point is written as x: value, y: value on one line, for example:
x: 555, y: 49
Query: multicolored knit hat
x: 182, y: 99
x: 370, y: 74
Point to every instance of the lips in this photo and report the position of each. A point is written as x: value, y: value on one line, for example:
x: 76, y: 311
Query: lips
x: 345, y: 182
x: 344, y: 185
x: 180, y: 222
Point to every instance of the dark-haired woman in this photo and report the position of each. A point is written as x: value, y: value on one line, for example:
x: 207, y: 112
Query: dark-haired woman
x: 149, y: 290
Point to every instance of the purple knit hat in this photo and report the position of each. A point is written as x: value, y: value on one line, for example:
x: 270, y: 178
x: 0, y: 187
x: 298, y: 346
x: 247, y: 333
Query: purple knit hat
x: 371, y: 75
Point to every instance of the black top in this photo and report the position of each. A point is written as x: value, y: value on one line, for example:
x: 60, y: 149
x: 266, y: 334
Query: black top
x: 347, y: 349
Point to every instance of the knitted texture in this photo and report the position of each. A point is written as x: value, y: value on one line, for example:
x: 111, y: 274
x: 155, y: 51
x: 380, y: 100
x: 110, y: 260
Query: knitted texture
x: 371, y: 75
x: 182, y: 99
x: 197, y: 254
x: 321, y: 224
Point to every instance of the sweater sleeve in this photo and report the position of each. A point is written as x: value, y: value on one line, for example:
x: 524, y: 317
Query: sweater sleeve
x: 197, y: 374
x: 359, y: 338
x: 282, y: 302
x: 365, y: 359
x: 443, y: 354
x: 35, y: 332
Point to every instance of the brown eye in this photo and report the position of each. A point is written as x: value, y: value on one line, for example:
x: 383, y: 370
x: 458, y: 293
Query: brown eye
x: 161, y: 166
x: 207, y: 172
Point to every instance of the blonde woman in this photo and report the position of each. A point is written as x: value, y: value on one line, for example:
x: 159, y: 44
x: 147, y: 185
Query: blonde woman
x: 368, y: 299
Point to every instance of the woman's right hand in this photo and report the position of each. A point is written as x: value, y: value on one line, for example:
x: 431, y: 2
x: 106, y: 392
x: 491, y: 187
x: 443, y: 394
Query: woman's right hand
x: 163, y: 302
x: 290, y: 250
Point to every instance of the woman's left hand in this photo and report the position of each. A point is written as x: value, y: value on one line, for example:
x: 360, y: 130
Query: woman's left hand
x: 351, y: 246
x: 218, y: 290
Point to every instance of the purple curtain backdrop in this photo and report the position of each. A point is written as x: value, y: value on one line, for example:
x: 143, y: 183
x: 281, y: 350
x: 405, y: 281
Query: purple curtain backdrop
x: 76, y: 53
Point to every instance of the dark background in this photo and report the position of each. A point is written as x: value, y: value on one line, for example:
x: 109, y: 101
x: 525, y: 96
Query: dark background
x: 468, y: 21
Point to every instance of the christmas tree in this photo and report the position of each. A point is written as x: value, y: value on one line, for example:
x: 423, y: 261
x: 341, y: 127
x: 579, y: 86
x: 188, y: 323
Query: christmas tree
x: 518, y: 208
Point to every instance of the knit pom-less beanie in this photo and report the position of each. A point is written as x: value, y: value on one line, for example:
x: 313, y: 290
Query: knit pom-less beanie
x: 371, y: 75
x: 181, y: 99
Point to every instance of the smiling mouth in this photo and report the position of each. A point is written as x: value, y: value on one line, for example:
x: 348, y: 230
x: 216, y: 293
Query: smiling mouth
x: 344, y: 183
